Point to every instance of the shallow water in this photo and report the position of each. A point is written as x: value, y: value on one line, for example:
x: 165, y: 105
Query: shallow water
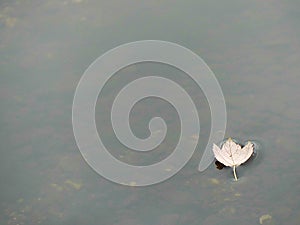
x: 254, y: 50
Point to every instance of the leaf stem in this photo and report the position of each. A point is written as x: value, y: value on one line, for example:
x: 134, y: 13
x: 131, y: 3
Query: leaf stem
x: 234, y: 173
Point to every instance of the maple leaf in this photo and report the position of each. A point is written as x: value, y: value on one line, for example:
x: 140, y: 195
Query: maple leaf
x: 232, y: 154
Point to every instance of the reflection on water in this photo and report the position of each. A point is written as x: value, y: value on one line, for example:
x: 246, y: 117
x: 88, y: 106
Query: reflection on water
x: 253, y: 48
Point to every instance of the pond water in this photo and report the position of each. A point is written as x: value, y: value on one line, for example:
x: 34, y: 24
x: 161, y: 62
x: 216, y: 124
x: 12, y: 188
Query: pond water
x: 252, y: 47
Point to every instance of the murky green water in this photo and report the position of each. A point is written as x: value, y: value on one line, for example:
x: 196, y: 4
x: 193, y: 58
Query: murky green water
x: 254, y: 50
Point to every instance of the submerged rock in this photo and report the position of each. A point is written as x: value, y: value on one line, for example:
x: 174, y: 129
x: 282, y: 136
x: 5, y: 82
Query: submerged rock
x: 265, y: 219
x: 73, y: 184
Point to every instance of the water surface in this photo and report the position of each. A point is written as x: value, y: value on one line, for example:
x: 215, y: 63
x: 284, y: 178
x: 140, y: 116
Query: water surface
x: 253, y: 48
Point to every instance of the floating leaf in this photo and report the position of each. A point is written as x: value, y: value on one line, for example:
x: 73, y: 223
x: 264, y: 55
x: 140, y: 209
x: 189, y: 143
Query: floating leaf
x: 232, y: 154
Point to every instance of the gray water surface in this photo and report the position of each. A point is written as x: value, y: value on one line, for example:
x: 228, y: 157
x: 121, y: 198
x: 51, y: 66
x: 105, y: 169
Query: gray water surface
x: 252, y: 47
